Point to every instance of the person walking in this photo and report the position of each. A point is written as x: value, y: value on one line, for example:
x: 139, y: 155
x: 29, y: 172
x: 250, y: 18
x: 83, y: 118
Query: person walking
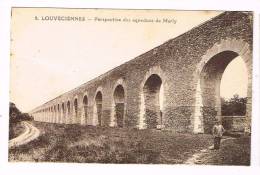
x: 217, y: 131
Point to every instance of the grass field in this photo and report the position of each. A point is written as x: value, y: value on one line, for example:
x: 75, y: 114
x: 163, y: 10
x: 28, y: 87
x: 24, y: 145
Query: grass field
x: 232, y: 152
x: 75, y: 143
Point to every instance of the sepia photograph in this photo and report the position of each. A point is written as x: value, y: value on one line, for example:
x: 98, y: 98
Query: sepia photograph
x: 130, y: 86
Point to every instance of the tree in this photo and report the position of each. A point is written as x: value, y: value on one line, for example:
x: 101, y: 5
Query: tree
x: 234, y: 106
x: 14, y: 112
x: 16, y: 115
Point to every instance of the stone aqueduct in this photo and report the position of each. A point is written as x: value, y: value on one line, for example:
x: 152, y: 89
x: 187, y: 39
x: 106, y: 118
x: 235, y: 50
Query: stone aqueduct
x: 173, y: 86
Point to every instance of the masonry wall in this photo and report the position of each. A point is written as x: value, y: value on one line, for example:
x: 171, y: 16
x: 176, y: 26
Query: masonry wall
x: 176, y: 62
x: 234, y: 123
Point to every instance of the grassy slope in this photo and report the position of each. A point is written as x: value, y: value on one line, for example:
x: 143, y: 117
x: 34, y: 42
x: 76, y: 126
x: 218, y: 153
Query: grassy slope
x: 74, y: 143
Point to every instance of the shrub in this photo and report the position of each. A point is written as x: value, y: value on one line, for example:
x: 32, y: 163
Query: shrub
x: 236, y: 106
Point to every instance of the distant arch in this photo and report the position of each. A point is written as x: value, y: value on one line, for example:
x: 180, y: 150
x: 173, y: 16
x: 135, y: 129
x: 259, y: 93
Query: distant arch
x: 75, y: 107
x: 66, y: 111
x: 152, y: 99
x: 85, y: 107
x: 119, y: 105
x: 58, y: 114
x: 151, y: 92
x: 98, y: 107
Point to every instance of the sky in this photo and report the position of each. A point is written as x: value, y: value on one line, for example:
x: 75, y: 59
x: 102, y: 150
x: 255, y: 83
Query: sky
x: 50, y: 57
x: 234, y: 79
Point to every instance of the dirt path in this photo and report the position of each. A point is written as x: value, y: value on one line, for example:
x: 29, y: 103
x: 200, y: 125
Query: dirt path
x: 201, y: 156
x: 28, y: 135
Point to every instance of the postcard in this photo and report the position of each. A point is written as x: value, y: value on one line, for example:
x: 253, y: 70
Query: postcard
x: 125, y: 86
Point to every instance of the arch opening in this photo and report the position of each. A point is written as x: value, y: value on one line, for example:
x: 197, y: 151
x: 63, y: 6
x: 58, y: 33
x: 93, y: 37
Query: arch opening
x: 85, y: 107
x: 208, y: 93
x: 54, y: 115
x: 233, y: 88
x: 98, y: 108
x: 68, y: 111
x: 62, y: 110
x: 51, y: 115
x: 76, y: 109
x: 153, y: 94
x: 58, y: 112
x: 119, y: 105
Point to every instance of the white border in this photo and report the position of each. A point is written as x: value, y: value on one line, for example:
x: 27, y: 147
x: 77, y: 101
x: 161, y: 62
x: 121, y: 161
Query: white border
x: 68, y: 169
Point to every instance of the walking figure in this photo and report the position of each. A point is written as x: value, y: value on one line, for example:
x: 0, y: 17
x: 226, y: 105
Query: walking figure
x: 217, y: 131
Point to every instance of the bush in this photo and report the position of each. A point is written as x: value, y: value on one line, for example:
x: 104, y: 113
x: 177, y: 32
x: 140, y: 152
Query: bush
x: 236, y: 106
x: 15, y: 115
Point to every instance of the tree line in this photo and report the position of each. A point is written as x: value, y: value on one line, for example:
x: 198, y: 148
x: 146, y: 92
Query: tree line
x: 15, y: 115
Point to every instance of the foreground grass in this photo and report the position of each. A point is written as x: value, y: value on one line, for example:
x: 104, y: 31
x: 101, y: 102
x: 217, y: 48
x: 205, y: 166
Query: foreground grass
x: 74, y: 143
x: 232, y: 152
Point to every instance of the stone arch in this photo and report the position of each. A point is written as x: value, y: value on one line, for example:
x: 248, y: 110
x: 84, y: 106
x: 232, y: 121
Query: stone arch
x: 61, y: 117
x: 118, y: 104
x: 62, y: 110
x: 85, y: 103
x: 152, y: 99
x: 50, y: 118
x: 58, y: 118
x: 47, y: 114
x: 43, y: 115
x: 98, y: 107
x: 75, y: 110
x: 54, y: 114
x: 68, y: 111
x: 51, y: 115
x: 208, y: 76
